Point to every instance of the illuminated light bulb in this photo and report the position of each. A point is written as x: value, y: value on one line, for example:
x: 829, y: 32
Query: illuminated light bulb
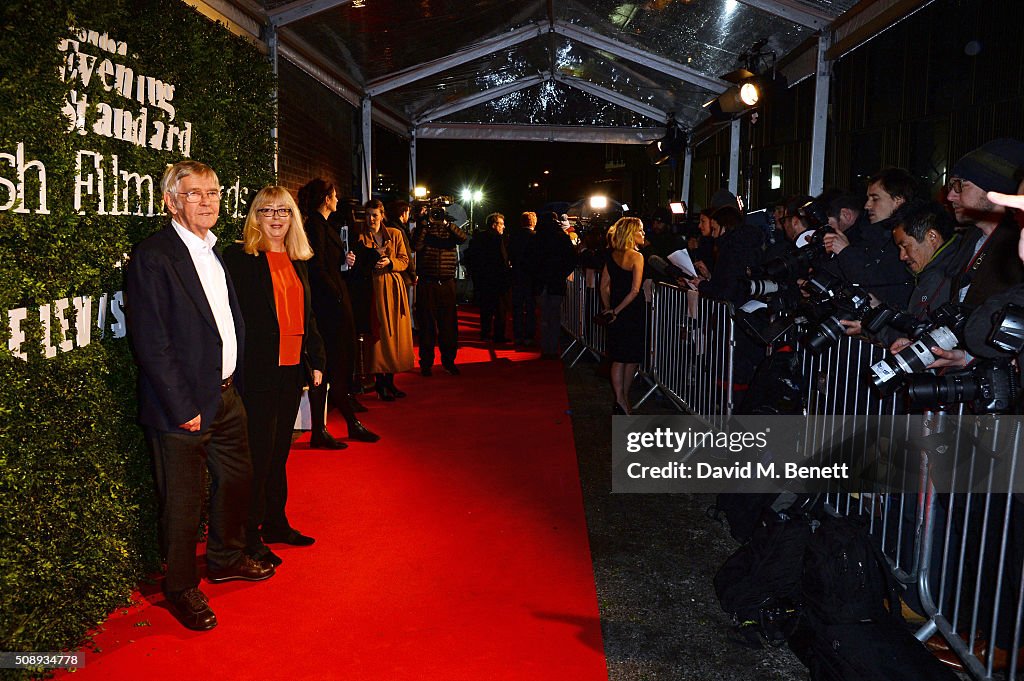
x: 749, y: 94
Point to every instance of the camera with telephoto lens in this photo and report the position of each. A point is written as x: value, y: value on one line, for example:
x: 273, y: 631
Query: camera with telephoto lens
x: 989, y: 387
x: 909, y: 326
x: 850, y: 302
x: 946, y: 324
x: 1008, y: 329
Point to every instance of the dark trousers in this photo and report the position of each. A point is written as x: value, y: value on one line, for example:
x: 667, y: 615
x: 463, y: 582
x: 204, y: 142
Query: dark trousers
x: 271, y: 421
x: 438, y: 321
x: 550, y: 321
x: 179, y: 459
x: 494, y: 305
x: 524, y: 312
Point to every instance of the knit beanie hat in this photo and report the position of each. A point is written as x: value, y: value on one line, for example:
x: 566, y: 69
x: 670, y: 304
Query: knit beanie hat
x: 992, y: 165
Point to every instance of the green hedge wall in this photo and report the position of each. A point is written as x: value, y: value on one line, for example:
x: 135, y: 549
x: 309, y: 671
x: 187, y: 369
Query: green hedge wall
x: 77, y: 511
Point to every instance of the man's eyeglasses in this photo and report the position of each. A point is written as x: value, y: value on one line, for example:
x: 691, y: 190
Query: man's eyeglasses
x: 955, y: 184
x: 197, y: 196
x: 275, y: 212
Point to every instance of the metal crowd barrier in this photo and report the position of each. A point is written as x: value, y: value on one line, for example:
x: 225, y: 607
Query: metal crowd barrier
x: 959, y: 556
x: 691, y: 341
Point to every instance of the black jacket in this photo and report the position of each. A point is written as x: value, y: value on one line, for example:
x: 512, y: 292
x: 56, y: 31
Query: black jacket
x: 551, y: 259
x: 488, y: 261
x: 738, y: 250
x: 436, y: 246
x: 251, y: 274
x: 519, y: 239
x: 996, y: 267
x: 174, y: 335
x: 874, y: 263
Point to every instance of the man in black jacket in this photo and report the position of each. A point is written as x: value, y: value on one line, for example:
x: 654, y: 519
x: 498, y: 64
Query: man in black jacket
x: 436, y: 241
x: 551, y: 258
x: 993, y: 265
x: 492, y: 277
x: 930, y: 247
x: 874, y: 263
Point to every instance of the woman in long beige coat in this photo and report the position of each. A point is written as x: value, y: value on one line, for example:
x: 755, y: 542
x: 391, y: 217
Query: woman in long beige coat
x: 387, y: 347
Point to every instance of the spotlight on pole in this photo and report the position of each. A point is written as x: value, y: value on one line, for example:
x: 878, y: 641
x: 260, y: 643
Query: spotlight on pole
x: 598, y: 202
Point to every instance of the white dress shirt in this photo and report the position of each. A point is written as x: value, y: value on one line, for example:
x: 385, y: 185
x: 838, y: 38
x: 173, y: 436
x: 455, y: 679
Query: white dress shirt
x: 215, y: 286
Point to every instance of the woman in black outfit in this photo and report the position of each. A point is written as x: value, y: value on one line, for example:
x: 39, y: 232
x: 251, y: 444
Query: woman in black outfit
x: 282, y: 352
x: 333, y: 308
x: 621, y: 279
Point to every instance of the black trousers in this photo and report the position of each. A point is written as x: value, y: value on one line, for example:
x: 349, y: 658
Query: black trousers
x: 495, y: 302
x: 438, y: 320
x: 271, y: 421
x: 524, y: 311
x: 179, y: 459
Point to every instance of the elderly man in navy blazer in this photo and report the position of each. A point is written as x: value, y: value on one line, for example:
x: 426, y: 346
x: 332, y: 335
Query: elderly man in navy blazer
x: 187, y: 334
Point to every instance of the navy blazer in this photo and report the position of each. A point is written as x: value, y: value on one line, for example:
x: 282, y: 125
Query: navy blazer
x: 251, y: 276
x: 174, y: 335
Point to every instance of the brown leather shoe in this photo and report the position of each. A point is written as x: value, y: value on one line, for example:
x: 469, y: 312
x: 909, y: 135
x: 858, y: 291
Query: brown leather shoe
x: 246, y: 569
x: 192, y: 609
x: 1000, y: 657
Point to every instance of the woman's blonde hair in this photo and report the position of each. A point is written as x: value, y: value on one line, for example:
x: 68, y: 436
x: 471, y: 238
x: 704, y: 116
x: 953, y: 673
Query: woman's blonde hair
x: 622, y: 235
x: 296, y: 244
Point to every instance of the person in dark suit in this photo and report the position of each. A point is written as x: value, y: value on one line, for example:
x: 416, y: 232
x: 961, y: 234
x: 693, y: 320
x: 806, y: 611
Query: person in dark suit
x: 332, y: 257
x: 283, y: 349
x: 187, y: 334
x: 492, y: 277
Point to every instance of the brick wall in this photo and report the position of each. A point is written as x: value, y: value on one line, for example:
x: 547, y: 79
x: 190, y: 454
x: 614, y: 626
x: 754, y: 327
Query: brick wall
x: 315, y: 130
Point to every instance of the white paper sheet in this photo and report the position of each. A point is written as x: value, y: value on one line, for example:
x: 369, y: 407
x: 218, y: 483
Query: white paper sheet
x: 681, y: 259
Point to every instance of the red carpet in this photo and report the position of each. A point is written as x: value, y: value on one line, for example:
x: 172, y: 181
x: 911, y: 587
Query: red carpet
x: 455, y: 548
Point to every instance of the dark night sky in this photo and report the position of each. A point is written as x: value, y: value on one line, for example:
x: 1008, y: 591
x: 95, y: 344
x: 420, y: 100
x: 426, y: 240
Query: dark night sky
x: 503, y: 170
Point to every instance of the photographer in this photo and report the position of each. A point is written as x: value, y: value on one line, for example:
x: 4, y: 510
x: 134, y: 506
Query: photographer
x: 874, y: 261
x: 436, y: 240
x: 929, y: 246
x: 739, y: 248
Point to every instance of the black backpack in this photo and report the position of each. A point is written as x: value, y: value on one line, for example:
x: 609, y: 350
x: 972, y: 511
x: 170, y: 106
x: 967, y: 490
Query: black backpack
x: 759, y: 584
x: 846, y: 579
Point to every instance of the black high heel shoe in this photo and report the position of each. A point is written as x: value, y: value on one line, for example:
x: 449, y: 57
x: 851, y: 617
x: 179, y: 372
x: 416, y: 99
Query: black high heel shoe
x: 617, y: 409
x: 389, y: 381
x: 383, y: 391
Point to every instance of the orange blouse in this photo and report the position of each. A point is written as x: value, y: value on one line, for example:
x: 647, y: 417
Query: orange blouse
x: 290, y: 303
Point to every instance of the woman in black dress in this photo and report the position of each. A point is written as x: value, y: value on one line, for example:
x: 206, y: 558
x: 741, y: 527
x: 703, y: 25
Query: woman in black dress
x: 332, y: 257
x: 621, y: 299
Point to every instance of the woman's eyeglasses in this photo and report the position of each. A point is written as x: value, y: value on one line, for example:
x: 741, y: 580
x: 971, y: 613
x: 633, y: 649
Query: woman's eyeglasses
x: 275, y: 212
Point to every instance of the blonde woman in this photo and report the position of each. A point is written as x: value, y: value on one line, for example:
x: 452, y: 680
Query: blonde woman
x: 621, y: 299
x: 283, y: 351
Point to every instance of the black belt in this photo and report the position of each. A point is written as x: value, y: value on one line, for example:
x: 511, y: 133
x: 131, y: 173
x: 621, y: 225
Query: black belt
x: 227, y: 383
x: 436, y: 280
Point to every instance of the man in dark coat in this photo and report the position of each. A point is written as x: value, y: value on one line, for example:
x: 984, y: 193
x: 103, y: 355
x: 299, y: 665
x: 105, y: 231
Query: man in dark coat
x: 524, y: 305
x: 187, y: 334
x: 492, y: 277
x: 552, y: 258
x: 874, y: 262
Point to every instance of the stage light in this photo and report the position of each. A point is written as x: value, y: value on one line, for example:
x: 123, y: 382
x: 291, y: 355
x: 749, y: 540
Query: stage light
x: 749, y: 91
x: 669, y: 146
x: 419, y: 192
x: 598, y: 202
x: 677, y: 208
x: 750, y: 94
